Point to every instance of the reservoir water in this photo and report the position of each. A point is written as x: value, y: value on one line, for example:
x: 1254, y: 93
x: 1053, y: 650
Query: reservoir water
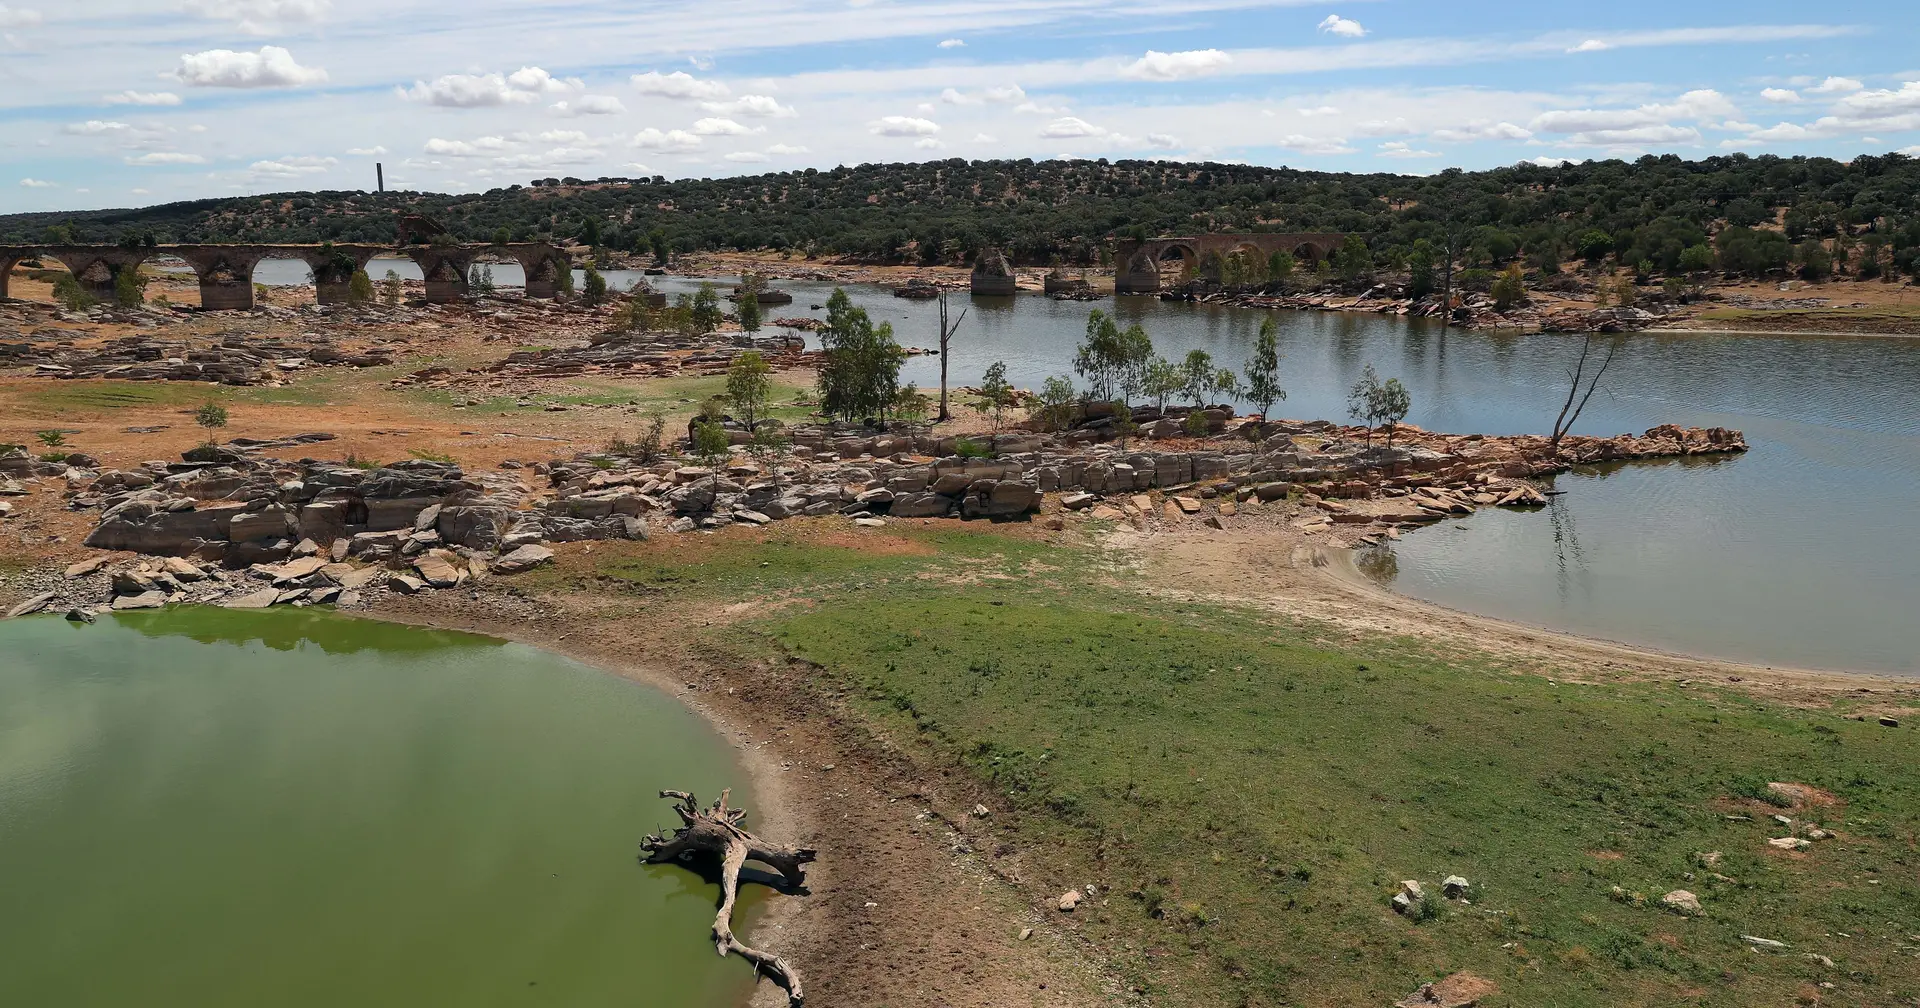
x: 222, y: 809
x: 1799, y: 553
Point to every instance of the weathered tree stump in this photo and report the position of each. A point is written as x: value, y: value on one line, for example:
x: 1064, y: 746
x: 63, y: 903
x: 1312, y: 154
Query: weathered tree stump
x: 717, y: 831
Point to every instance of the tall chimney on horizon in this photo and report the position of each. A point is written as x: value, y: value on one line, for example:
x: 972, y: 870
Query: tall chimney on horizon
x: 380, y: 173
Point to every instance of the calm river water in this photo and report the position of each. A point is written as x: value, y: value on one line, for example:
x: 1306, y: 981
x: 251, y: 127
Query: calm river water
x: 1796, y: 554
x: 1799, y: 553
x: 220, y: 809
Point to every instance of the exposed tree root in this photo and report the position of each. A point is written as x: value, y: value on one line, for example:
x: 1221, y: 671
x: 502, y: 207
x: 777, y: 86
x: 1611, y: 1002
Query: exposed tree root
x: 717, y: 831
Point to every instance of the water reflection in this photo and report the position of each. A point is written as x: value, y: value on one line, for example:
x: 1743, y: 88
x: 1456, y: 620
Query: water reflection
x: 288, y: 629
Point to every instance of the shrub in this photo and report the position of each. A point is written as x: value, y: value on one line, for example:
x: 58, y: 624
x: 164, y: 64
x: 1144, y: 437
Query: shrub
x: 966, y: 448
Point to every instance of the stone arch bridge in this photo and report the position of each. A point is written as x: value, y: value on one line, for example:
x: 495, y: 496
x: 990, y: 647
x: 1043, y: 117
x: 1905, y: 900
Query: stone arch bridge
x: 1137, y: 263
x: 226, y: 271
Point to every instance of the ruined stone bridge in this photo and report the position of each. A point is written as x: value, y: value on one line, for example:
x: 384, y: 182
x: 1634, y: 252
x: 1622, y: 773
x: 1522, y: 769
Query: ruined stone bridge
x: 226, y: 271
x: 1137, y: 263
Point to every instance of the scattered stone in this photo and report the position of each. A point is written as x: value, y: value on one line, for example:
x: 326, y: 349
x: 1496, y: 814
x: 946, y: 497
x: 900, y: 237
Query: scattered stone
x: 32, y: 605
x: 870, y: 522
x: 1889, y: 722
x: 1461, y: 990
x: 145, y: 600
x: 1070, y: 900
x: 1078, y: 501
x: 1454, y: 887
x: 437, y: 571
x: 1026, y: 933
x: 1682, y: 902
x: 524, y: 558
x: 1790, y: 843
x: 405, y: 585
x: 1767, y: 944
x: 255, y: 600
x: 981, y: 812
x: 79, y: 615
x: 89, y: 566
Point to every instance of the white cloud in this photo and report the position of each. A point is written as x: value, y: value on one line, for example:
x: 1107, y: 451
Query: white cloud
x: 95, y: 127
x: 671, y: 140
x: 1159, y: 66
x: 1648, y: 124
x: 1334, y: 24
x: 557, y: 158
x: 19, y: 17
x: 165, y: 158
x: 952, y: 43
x: 1321, y: 110
x: 953, y: 97
x: 1164, y: 141
x: 1836, y: 85
x: 34, y: 183
x: 590, y: 105
x: 1035, y: 108
x: 1635, y: 136
x: 678, y: 85
x: 1548, y: 162
x: 1591, y: 45
x: 1314, y: 145
x: 1882, y: 102
x: 1481, y: 129
x: 142, y: 98
x: 758, y: 106
x: 565, y: 137
x: 1006, y: 95
x: 293, y: 166
x: 522, y: 86
x: 141, y: 192
x: 262, y: 17
x: 1401, y: 149
x: 1068, y: 127
x: 985, y: 138
x: 787, y: 149
x: 366, y: 151
x: 723, y: 127
x: 903, y: 126
x: 928, y: 143
x: 482, y: 147
x: 272, y: 66
x: 746, y: 157
x: 1384, y: 127
x: 1780, y: 96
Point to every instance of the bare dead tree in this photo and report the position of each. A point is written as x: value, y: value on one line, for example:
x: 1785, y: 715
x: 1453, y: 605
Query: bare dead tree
x: 716, y: 830
x: 1576, y: 397
x: 946, y: 335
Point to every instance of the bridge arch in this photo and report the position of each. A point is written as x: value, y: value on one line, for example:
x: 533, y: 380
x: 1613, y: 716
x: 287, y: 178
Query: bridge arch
x: 1203, y: 253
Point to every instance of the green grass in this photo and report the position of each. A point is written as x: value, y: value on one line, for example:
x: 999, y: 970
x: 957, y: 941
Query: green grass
x: 1247, y: 796
x: 675, y: 397
x: 306, y: 390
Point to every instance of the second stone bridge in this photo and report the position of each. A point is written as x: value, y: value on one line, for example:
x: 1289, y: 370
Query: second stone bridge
x: 225, y: 272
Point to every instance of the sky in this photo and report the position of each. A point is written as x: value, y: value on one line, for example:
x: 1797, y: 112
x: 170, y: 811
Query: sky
x: 120, y: 103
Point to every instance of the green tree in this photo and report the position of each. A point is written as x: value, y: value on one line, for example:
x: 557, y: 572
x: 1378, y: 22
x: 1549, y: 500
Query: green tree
x: 1508, y: 290
x: 1263, y: 369
x: 750, y: 388
x: 1696, y: 259
x: 502, y: 236
x: 359, y: 288
x: 1162, y: 380
x: 1355, y: 259
x: 859, y: 373
x: 563, y: 280
x: 70, y: 294
x: 1054, y: 408
x: 1123, y: 426
x: 129, y: 287
x: 711, y: 441
x: 51, y: 438
x: 1280, y: 267
x: 390, y: 289
x: 911, y: 404
x: 706, y: 315
x: 748, y: 308
x: 1420, y: 270
x: 1200, y: 379
x: 996, y: 393
x: 662, y: 248
x: 212, y: 416
x: 593, y: 290
x: 1379, y: 403
x: 1111, y: 359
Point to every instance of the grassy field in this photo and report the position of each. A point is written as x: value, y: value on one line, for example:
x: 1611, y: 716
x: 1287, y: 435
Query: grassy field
x: 1246, y: 800
x: 674, y: 397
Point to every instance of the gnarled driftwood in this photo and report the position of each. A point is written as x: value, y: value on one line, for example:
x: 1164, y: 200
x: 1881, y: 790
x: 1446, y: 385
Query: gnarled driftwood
x: 717, y: 831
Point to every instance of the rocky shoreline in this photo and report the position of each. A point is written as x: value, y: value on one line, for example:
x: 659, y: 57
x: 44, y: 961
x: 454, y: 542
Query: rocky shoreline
x: 229, y: 525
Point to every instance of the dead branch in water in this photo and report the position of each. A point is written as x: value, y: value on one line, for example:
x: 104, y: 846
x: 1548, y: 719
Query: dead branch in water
x: 716, y: 830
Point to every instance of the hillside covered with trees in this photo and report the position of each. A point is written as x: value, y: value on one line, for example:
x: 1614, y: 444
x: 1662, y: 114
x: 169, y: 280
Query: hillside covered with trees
x: 1752, y: 214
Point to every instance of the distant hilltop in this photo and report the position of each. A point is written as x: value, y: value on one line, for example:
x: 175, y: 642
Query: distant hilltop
x: 1073, y: 212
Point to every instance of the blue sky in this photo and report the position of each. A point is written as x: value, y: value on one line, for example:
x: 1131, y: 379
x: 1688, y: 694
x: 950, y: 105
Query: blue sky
x: 108, y: 103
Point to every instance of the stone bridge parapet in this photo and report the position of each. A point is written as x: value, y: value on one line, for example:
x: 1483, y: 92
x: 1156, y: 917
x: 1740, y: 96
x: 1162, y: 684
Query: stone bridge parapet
x: 225, y: 272
x: 1137, y: 263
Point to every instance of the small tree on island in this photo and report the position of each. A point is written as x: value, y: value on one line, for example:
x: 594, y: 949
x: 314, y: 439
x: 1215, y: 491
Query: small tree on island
x: 1162, y: 380
x: 996, y: 394
x: 129, y: 287
x: 748, y: 308
x: 750, y: 388
x: 1263, y: 369
x: 212, y: 416
x: 359, y: 288
x: 1054, y: 409
x: 593, y: 290
x: 704, y: 309
x: 1379, y: 403
x: 859, y: 374
x: 390, y: 288
x: 1123, y: 426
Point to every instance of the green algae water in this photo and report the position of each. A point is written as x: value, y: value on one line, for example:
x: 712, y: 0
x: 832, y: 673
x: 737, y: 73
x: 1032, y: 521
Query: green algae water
x: 204, y: 807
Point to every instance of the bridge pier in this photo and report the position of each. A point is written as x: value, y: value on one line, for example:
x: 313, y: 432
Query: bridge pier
x: 333, y: 270
x: 96, y: 269
x: 225, y: 274
x: 1137, y: 263
x: 8, y: 260
x: 445, y: 270
x: 542, y: 265
x: 993, y: 274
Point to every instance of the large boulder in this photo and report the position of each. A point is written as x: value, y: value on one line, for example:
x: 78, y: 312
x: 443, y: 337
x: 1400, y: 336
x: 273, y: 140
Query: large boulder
x: 921, y: 505
x: 476, y: 526
x: 523, y: 559
x: 999, y: 499
x: 163, y: 533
